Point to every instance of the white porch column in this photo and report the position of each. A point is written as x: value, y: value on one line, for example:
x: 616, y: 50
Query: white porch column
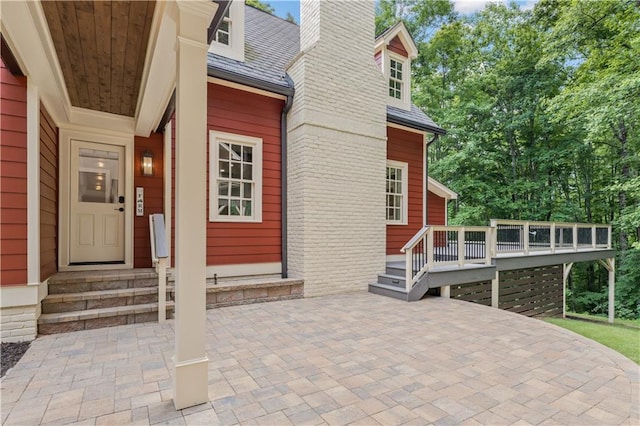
x: 566, y: 270
x: 612, y: 288
x: 190, y: 360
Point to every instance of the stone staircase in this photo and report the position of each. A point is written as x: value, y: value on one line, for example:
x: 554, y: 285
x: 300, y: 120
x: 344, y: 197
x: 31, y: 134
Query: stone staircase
x: 95, y: 299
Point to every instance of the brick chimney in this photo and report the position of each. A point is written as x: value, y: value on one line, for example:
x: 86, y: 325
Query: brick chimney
x: 337, y: 150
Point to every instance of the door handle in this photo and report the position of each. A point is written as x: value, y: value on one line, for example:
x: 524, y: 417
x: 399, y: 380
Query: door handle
x: 121, y: 209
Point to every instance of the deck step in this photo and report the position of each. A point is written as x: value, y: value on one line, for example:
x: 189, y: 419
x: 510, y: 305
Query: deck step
x: 393, y: 280
x: 69, y: 302
x: 389, y: 291
x: 62, y: 322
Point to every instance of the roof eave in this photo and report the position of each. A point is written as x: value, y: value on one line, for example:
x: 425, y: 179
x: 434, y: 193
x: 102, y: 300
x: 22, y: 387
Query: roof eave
x: 251, y: 81
x: 415, y: 125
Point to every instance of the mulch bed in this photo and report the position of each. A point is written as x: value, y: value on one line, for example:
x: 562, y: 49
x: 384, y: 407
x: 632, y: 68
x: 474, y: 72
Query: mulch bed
x: 10, y: 354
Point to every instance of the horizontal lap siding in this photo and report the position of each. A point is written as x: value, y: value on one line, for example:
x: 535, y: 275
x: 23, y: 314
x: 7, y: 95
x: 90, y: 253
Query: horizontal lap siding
x: 406, y: 147
x: 153, y: 195
x: 48, y: 195
x: 436, y: 208
x: 234, y: 111
x: 396, y: 46
x: 13, y: 178
x: 239, y: 112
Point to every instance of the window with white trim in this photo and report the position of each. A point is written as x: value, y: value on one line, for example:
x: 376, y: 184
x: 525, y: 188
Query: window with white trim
x: 397, y: 197
x: 229, y: 37
x: 223, y: 34
x: 396, y: 81
x: 235, y: 178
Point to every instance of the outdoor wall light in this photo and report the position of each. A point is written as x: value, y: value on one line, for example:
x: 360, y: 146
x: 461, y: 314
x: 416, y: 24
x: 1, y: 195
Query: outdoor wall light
x: 147, y: 163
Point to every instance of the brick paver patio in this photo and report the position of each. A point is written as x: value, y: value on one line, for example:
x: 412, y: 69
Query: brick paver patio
x: 348, y: 359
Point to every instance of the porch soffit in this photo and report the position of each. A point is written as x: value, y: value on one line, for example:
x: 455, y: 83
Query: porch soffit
x: 101, y: 47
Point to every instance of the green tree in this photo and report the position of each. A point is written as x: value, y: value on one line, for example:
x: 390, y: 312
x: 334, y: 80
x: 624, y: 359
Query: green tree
x: 262, y: 5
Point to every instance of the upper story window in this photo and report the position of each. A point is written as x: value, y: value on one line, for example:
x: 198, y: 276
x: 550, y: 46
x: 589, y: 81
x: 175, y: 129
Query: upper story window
x: 224, y: 32
x: 235, y: 178
x: 396, y: 81
x: 229, y: 38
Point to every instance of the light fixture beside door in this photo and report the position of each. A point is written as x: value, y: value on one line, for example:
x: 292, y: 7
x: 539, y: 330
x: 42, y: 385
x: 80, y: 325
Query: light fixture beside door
x: 146, y: 162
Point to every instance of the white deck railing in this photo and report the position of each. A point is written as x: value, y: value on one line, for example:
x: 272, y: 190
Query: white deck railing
x: 445, y: 246
x: 437, y: 246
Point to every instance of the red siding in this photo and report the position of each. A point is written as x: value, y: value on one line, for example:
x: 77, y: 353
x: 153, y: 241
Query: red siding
x: 378, y: 59
x: 234, y: 111
x: 13, y: 178
x: 153, y: 195
x: 436, y: 208
x: 48, y: 195
x: 396, y: 46
x: 406, y: 147
x: 239, y: 112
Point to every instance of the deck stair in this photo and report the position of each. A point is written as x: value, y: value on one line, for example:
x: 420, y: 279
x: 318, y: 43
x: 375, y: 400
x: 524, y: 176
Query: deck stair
x: 96, y: 299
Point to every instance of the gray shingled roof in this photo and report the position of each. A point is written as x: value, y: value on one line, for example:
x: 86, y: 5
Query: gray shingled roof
x: 270, y: 44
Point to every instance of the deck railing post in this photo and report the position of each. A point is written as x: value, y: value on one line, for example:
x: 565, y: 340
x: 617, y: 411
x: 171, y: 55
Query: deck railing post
x: 494, y: 238
x: 609, y: 236
x: 488, y: 244
x: 526, y: 238
x: 575, y: 237
x: 408, y: 270
x: 552, y: 237
x: 593, y: 236
x: 429, y: 247
x: 461, y: 247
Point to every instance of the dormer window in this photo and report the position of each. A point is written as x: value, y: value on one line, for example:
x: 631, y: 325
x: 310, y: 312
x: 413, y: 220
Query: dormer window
x: 229, y: 39
x: 224, y: 32
x: 396, y: 82
x: 394, y: 50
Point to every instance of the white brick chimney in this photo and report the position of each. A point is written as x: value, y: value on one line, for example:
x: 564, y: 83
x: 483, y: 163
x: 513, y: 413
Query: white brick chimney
x: 336, y: 150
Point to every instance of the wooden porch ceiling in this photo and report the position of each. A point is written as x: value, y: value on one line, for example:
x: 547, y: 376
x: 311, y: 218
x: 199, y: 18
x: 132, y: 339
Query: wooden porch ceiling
x: 101, y: 48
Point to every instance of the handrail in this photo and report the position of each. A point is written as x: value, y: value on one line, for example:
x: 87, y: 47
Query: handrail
x: 463, y: 245
x: 159, y: 255
x: 445, y: 245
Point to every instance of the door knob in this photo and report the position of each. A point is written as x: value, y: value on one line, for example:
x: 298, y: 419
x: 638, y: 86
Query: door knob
x: 121, y: 209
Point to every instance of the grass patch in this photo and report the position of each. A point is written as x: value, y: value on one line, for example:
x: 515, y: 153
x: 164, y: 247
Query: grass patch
x: 635, y: 323
x: 622, y: 339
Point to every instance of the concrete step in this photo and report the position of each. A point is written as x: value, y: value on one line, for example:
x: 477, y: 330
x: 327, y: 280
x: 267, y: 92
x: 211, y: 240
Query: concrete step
x: 87, y: 281
x: 63, y: 322
x: 69, y: 302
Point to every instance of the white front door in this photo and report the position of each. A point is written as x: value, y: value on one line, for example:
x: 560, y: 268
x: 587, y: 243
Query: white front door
x: 97, y: 213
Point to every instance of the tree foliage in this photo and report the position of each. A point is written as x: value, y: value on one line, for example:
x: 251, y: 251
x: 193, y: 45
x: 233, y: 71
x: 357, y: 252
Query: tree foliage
x: 542, y: 110
x: 262, y: 5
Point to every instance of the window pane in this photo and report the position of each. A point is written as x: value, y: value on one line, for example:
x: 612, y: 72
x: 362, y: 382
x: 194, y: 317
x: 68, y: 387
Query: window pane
x: 248, y: 172
x: 247, y: 154
x: 247, y: 190
x: 223, y: 167
x: 235, y: 189
x: 223, y: 38
x: 235, y: 208
x: 235, y: 170
x: 223, y: 207
x: 223, y: 189
x: 236, y: 153
x: 246, y: 208
x: 399, y: 174
x: 223, y: 151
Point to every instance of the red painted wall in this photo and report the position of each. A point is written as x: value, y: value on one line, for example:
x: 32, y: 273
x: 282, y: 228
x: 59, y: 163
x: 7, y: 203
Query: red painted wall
x: 396, y: 46
x: 436, y: 208
x: 236, y: 111
x: 13, y: 178
x: 48, y: 195
x: 153, y: 195
x: 406, y: 147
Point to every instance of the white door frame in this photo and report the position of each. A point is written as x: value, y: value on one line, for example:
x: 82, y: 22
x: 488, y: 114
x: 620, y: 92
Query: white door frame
x: 64, y: 214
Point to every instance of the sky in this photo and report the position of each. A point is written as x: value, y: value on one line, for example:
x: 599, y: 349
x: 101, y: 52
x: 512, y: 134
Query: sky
x: 461, y: 6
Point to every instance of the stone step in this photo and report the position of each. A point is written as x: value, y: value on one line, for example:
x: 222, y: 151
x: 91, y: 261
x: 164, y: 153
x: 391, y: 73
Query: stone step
x: 63, y: 322
x: 89, y: 281
x: 69, y: 302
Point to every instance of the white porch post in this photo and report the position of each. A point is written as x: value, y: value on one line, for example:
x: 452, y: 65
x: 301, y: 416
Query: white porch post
x: 566, y: 270
x: 610, y: 265
x: 190, y: 360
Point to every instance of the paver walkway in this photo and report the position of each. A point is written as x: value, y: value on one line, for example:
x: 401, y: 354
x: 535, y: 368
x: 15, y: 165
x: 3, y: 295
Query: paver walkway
x: 349, y: 359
